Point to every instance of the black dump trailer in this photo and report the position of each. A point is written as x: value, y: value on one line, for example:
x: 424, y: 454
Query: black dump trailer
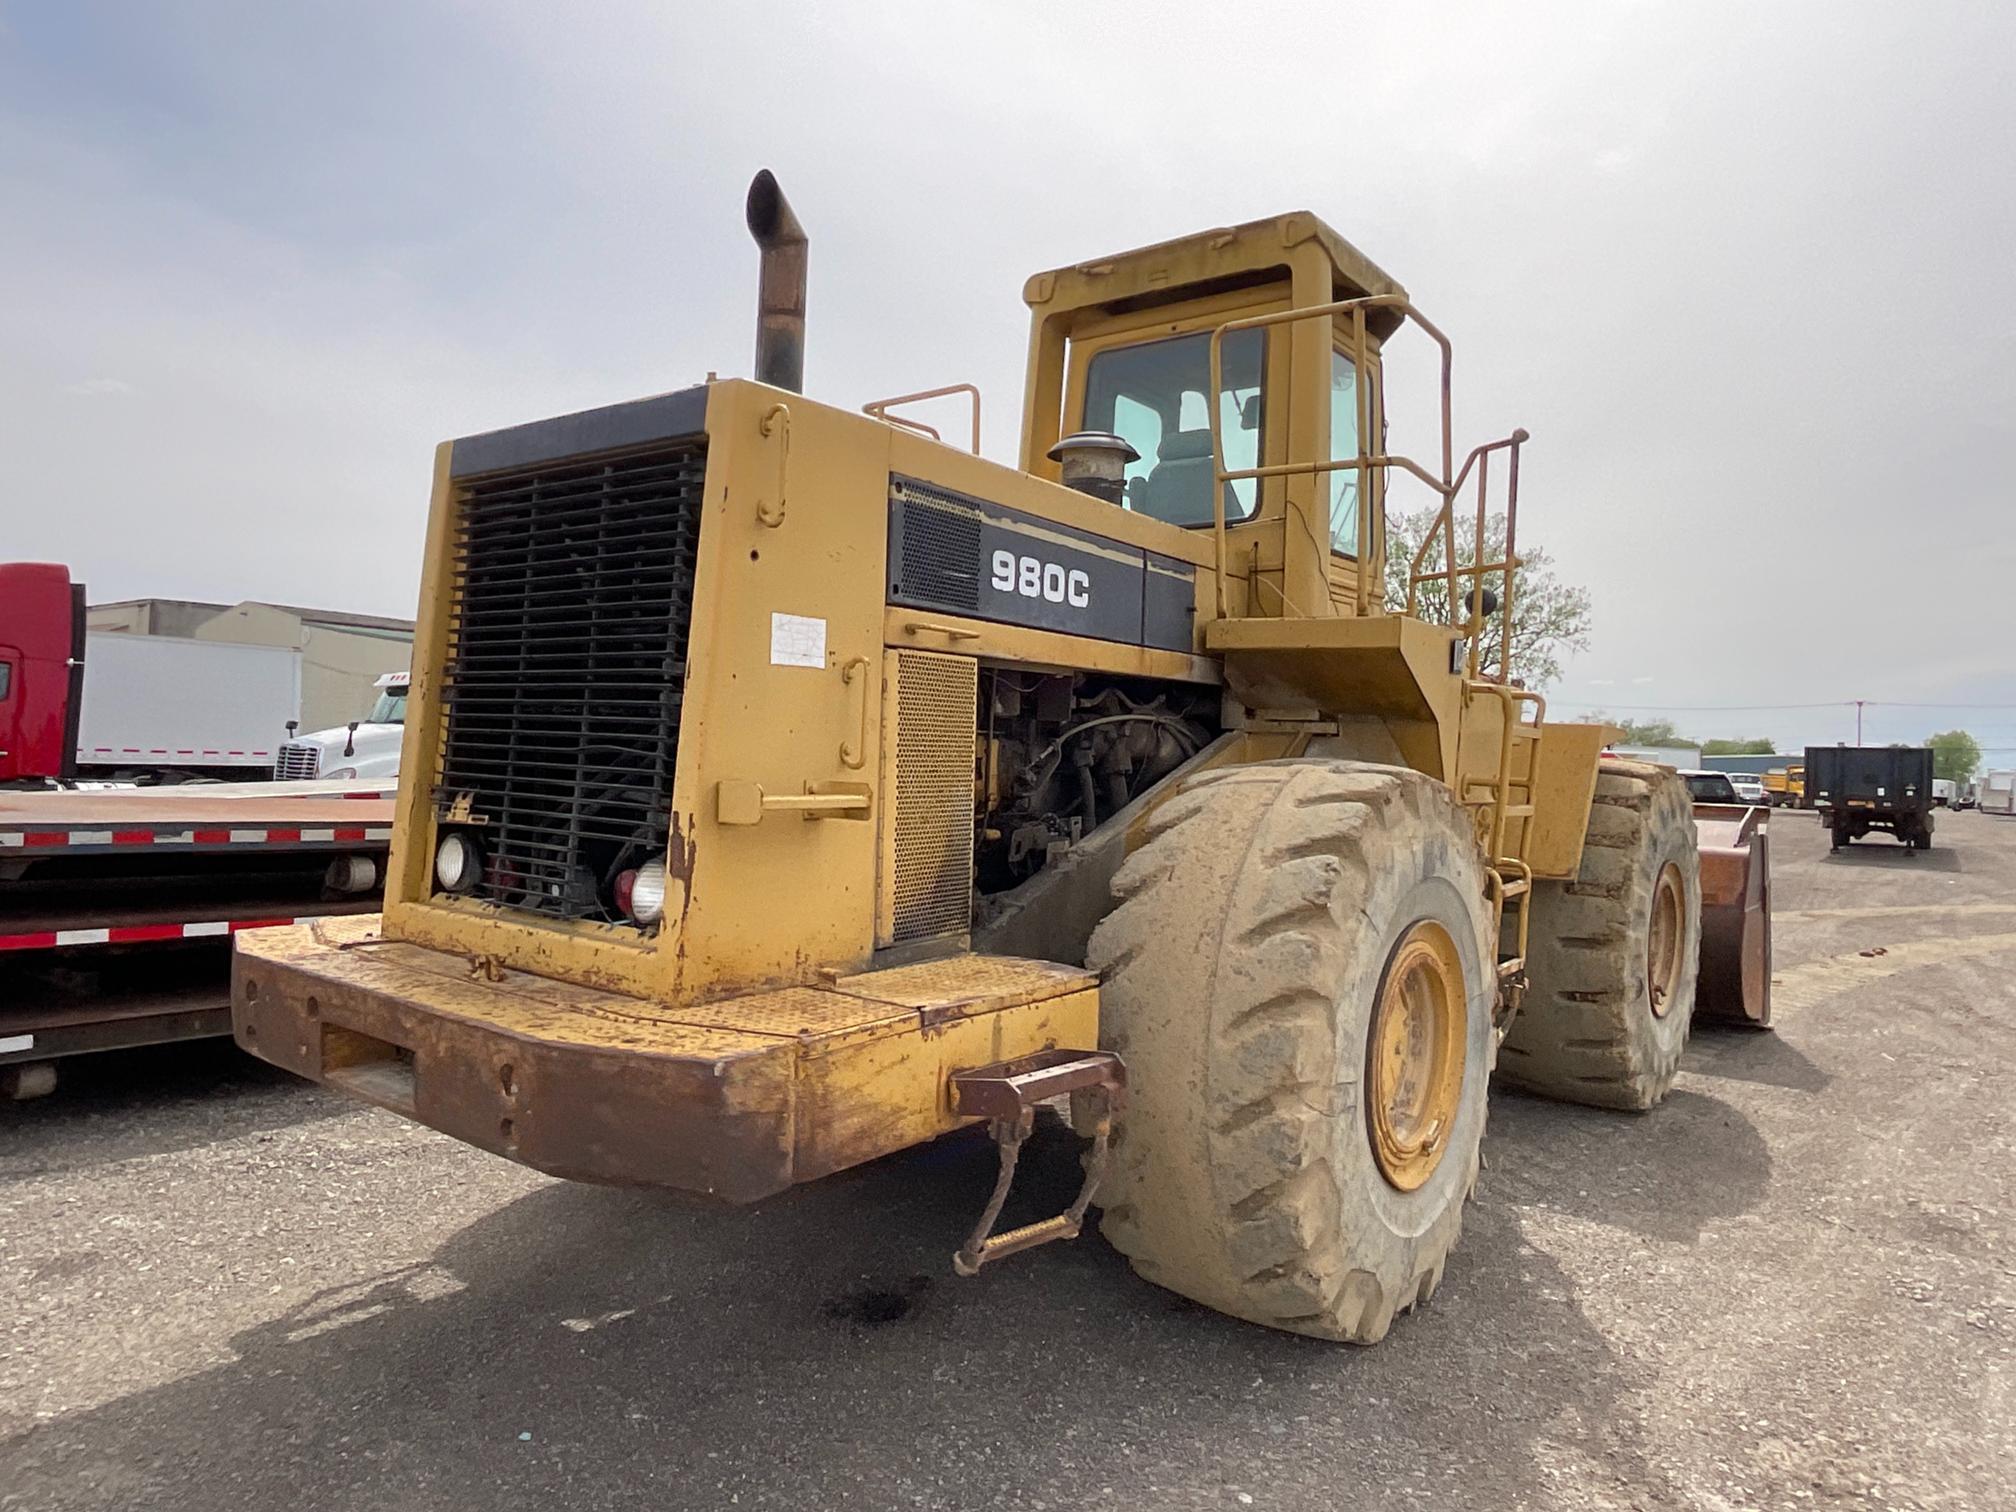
x: 1862, y: 788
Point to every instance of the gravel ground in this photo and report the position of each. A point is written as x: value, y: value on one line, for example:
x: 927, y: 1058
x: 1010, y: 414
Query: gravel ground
x: 1792, y: 1285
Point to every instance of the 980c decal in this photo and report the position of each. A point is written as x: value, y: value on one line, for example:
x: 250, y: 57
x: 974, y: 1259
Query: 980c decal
x: 1031, y: 577
x: 952, y: 553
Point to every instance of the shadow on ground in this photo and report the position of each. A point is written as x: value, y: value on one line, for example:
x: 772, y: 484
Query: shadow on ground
x: 1738, y: 1052
x: 1876, y: 853
x: 590, y: 1347
x: 153, y: 1101
x: 1664, y: 1174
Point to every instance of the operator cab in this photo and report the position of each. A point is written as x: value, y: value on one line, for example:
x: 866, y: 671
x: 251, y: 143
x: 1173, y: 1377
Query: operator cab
x: 1123, y: 345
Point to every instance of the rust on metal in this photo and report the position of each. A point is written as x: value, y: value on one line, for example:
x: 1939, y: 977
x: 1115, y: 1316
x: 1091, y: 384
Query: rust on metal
x: 1013, y: 1087
x: 735, y: 1098
x: 1414, y: 1056
x: 780, y: 314
x: 1007, y: 1093
x: 1735, y: 845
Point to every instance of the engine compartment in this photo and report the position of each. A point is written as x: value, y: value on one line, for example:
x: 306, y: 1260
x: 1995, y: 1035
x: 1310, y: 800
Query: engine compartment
x: 1059, y: 754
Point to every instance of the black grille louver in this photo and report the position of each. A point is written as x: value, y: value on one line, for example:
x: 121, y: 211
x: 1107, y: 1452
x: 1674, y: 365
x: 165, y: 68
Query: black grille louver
x: 573, y: 595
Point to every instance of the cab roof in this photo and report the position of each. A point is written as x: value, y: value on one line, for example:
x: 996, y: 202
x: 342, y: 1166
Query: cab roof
x: 1205, y: 262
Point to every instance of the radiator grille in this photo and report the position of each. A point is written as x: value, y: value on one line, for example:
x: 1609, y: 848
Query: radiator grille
x: 931, y: 853
x: 573, y: 588
x: 298, y: 762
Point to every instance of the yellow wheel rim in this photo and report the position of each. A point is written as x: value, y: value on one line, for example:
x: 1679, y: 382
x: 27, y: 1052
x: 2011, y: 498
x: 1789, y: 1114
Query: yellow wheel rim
x: 1662, y: 949
x: 1414, y: 1070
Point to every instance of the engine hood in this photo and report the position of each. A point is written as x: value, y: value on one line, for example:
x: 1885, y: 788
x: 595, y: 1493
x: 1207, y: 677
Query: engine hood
x: 374, y: 749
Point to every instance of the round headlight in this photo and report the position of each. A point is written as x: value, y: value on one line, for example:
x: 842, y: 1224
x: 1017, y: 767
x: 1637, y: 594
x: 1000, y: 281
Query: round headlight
x: 456, y: 863
x: 646, y: 892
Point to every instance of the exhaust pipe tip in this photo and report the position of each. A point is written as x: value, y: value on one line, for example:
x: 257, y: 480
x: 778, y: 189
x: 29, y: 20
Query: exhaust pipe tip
x: 780, y: 300
x: 769, y: 214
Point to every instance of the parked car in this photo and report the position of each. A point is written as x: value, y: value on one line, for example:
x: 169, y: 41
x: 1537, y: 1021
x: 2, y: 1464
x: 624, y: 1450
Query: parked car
x: 1710, y: 787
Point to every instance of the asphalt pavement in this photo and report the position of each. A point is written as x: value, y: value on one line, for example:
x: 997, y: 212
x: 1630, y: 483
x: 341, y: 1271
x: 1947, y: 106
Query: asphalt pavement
x: 1793, y: 1285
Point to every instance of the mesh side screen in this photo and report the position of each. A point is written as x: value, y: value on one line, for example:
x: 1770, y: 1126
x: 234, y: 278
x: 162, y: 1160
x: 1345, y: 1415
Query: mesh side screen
x: 935, y: 725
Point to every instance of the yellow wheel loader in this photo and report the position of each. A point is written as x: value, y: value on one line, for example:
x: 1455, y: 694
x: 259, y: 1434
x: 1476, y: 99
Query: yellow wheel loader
x: 784, y: 787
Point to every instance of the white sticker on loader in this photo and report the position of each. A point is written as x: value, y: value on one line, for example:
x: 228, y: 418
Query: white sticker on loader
x: 797, y: 641
x: 14, y: 1042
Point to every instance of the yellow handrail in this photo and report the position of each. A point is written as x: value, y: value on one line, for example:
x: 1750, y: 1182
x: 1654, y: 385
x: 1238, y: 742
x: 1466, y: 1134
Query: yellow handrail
x: 1368, y: 464
x: 879, y: 409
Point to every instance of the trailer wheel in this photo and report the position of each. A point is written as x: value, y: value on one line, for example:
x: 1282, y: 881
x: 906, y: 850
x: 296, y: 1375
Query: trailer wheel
x: 1300, y: 977
x: 1612, y: 957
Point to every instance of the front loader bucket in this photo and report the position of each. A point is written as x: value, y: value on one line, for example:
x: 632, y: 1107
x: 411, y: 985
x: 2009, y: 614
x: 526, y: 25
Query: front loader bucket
x: 1735, y: 845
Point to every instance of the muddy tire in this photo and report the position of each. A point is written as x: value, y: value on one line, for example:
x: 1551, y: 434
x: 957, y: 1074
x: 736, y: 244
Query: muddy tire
x: 1587, y: 1031
x: 1246, y: 970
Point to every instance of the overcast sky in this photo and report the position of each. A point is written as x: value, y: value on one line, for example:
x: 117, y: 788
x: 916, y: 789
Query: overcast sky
x: 1743, y: 270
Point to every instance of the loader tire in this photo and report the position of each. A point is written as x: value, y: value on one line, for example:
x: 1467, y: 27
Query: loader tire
x: 1588, y: 1030
x: 1276, y: 917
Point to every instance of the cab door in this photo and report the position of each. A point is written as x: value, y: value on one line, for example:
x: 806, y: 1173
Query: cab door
x: 13, y: 738
x: 1357, y: 497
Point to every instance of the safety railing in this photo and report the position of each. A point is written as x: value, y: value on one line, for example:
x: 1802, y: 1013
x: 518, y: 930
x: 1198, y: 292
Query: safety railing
x: 1510, y: 878
x: 1448, y: 484
x: 879, y: 409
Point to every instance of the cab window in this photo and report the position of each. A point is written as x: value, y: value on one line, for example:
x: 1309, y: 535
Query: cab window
x: 1345, y: 482
x: 390, y: 707
x: 1153, y: 395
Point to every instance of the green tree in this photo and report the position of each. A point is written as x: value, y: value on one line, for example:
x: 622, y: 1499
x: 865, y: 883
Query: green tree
x: 1760, y: 746
x: 1549, y: 617
x: 1646, y: 732
x: 1955, y: 754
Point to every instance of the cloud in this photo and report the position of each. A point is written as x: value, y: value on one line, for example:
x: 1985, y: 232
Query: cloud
x: 1639, y: 682
x: 97, y: 388
x: 1610, y: 159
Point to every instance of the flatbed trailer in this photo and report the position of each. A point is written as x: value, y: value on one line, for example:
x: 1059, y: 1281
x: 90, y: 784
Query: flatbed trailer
x: 118, y: 907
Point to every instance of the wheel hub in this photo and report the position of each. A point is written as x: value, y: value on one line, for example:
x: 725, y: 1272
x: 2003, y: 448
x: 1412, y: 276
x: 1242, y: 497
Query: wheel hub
x: 1414, y: 1055
x: 1662, y: 949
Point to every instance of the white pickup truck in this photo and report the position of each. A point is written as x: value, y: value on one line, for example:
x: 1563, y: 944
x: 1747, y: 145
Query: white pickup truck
x: 368, y: 747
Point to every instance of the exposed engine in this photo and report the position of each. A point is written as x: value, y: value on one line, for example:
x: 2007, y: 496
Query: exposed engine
x: 1060, y: 754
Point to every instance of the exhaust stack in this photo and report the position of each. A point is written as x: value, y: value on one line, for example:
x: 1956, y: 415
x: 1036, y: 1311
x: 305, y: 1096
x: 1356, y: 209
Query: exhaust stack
x: 780, y: 300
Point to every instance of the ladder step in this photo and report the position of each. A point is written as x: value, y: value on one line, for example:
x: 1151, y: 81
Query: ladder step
x: 1518, y: 811
x: 1517, y: 888
x: 1511, y: 968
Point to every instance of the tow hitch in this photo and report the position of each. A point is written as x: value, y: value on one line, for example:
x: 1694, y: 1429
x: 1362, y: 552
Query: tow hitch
x: 1006, y: 1094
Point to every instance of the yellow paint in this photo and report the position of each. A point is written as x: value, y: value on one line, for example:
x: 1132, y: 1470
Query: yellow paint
x: 780, y: 873
x: 1415, y: 1056
x: 1564, y: 784
x: 846, y: 1071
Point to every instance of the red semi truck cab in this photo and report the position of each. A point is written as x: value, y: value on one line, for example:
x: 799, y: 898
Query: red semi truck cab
x: 41, y: 669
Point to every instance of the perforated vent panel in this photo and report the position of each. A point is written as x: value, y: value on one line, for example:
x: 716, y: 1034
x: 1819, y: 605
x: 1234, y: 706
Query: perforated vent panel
x: 939, y: 561
x: 929, y: 858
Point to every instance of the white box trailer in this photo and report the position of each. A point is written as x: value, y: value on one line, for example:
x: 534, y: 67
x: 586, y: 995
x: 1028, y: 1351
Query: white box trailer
x: 161, y: 704
x: 1998, y: 792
